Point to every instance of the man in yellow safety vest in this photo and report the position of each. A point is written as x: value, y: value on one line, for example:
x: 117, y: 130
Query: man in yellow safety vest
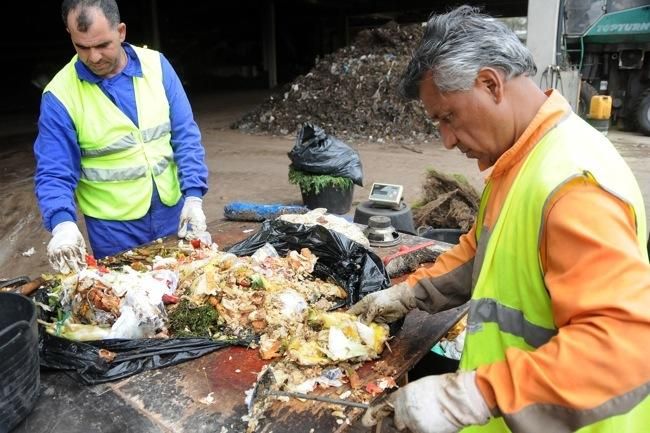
x: 555, y: 269
x: 116, y: 132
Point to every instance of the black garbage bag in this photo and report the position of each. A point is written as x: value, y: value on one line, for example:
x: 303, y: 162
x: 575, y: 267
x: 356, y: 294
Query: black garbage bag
x: 350, y: 264
x: 316, y: 152
x: 100, y: 361
x: 90, y: 361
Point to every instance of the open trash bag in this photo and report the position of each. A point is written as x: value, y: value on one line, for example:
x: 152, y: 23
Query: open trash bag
x: 97, y: 357
x: 94, y: 362
x: 316, y: 152
x: 348, y: 263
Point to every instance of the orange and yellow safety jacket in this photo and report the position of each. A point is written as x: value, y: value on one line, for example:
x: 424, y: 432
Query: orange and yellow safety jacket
x: 559, y: 282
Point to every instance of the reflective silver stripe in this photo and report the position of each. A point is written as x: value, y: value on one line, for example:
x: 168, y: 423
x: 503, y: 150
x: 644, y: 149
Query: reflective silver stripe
x: 156, y: 132
x: 112, y: 174
x: 509, y: 320
x: 129, y: 173
x: 543, y: 418
x: 123, y: 143
x: 161, y: 165
x: 128, y: 141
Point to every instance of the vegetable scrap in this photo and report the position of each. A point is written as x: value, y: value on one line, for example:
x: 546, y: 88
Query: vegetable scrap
x: 199, y: 291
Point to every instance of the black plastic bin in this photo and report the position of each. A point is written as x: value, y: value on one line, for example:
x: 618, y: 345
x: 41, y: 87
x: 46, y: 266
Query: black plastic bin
x: 335, y: 200
x: 19, y: 360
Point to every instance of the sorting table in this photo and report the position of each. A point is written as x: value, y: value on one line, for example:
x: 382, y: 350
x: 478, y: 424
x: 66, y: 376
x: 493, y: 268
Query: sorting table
x: 207, y: 394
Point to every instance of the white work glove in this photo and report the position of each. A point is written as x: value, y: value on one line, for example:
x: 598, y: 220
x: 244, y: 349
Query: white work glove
x: 434, y: 404
x: 386, y: 305
x: 192, y: 223
x: 67, y: 248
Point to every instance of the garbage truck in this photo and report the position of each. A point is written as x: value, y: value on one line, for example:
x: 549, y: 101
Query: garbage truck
x: 608, y: 41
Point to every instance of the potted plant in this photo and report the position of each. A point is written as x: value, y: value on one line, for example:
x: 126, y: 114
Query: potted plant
x: 323, y: 191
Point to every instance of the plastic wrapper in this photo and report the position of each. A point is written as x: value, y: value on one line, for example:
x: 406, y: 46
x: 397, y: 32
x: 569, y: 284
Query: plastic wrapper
x: 346, y: 262
x: 247, y: 211
x: 94, y: 362
x: 318, y: 153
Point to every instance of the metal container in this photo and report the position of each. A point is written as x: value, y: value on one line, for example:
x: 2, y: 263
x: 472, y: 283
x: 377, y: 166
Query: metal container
x: 19, y: 360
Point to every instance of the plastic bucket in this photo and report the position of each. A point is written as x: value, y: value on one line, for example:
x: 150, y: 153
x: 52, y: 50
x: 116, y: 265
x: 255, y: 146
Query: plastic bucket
x: 450, y: 236
x: 19, y: 360
x: 335, y: 200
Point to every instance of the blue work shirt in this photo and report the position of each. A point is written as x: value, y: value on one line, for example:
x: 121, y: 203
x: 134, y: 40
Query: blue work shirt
x: 58, y: 159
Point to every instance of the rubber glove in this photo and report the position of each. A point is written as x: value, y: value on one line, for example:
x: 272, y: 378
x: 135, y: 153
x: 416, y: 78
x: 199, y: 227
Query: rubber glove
x: 192, y: 223
x: 434, y: 404
x: 386, y: 305
x: 66, y: 251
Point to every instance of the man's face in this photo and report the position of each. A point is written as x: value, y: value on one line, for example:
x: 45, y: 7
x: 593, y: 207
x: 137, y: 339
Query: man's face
x: 99, y: 47
x: 469, y: 120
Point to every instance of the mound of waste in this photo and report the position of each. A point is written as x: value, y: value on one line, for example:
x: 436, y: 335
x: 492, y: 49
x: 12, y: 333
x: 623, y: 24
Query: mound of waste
x: 351, y: 93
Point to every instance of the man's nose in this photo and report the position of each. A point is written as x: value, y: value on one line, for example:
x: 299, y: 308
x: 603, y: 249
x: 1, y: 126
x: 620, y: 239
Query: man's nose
x: 449, y: 139
x: 94, y: 56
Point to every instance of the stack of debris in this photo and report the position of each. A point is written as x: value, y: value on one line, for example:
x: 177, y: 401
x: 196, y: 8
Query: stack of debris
x: 448, y: 202
x: 351, y: 93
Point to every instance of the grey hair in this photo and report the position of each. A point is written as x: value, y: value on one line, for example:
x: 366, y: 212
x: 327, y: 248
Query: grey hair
x: 108, y: 7
x: 456, y: 45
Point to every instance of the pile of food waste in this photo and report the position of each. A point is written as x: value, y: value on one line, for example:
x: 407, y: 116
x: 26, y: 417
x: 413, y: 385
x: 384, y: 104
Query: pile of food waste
x: 200, y: 291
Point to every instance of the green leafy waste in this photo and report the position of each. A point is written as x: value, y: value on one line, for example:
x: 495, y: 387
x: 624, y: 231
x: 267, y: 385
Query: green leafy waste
x: 316, y: 182
x: 189, y: 320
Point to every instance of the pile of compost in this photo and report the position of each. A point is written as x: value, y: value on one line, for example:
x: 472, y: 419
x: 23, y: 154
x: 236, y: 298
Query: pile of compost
x: 351, y: 93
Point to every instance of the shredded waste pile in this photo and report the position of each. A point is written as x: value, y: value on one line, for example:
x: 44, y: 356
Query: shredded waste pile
x: 351, y: 93
x: 447, y: 202
x: 194, y: 290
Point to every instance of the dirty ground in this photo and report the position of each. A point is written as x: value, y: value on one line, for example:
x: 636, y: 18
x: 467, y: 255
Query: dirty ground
x: 242, y: 167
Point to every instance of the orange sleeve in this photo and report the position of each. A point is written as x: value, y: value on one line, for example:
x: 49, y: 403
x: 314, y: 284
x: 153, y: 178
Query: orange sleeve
x: 458, y: 255
x: 448, y: 282
x: 599, y: 283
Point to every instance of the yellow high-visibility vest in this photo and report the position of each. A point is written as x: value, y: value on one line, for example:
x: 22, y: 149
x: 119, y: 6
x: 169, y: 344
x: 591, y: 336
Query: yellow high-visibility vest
x: 119, y: 160
x: 510, y: 305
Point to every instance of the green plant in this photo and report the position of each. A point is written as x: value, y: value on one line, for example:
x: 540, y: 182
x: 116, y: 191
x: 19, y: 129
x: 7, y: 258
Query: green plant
x: 189, y: 320
x: 316, y: 182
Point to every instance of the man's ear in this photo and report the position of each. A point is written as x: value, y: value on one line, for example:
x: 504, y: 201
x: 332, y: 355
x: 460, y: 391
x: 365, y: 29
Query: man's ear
x: 121, y: 28
x: 491, y: 81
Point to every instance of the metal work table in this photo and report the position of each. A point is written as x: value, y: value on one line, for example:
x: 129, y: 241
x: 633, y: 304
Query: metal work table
x: 207, y: 394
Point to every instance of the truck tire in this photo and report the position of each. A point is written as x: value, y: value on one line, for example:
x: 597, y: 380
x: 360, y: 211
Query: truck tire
x: 641, y: 113
x: 587, y: 91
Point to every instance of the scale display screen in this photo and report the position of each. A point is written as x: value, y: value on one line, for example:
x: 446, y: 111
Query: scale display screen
x: 386, y: 194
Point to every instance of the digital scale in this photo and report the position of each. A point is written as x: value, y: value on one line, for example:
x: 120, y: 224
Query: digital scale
x: 385, y: 200
x: 386, y: 195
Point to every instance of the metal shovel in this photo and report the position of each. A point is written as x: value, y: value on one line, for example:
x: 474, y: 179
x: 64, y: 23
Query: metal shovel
x: 262, y: 389
x: 263, y: 385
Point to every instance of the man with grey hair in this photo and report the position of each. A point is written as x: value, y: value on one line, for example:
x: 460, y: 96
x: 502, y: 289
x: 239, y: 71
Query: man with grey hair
x: 116, y: 132
x: 555, y: 268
